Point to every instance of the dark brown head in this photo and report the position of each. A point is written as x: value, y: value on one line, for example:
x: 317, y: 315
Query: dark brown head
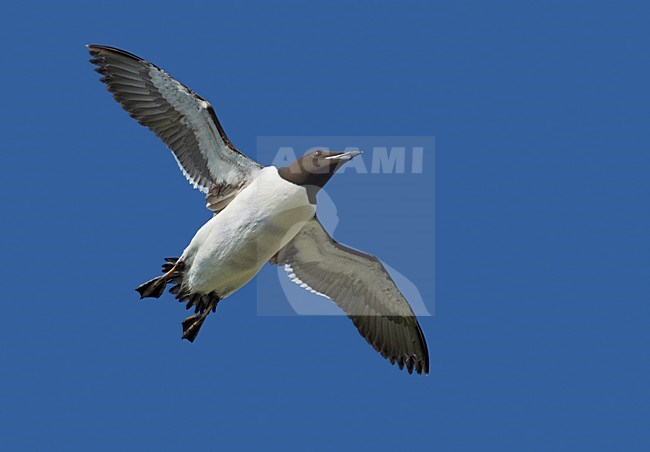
x: 315, y: 168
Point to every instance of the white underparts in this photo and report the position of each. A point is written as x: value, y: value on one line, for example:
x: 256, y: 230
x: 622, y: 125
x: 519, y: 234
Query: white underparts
x: 232, y: 247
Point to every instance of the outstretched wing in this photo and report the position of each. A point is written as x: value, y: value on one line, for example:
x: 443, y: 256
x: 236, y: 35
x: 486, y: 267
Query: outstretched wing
x: 184, y: 120
x: 359, y: 284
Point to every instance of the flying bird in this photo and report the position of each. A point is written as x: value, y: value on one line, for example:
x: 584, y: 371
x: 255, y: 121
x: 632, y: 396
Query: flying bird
x: 261, y: 214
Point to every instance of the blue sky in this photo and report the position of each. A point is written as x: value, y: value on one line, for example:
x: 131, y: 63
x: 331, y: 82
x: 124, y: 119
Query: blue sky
x: 540, y: 334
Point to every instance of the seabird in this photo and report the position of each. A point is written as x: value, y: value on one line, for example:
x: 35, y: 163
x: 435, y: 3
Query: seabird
x: 261, y: 214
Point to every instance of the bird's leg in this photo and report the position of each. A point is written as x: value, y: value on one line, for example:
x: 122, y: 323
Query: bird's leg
x: 171, y: 271
x: 192, y: 324
x: 155, y: 287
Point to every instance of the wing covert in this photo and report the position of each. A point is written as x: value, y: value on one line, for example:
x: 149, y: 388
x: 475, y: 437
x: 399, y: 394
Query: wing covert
x: 360, y: 285
x: 182, y: 119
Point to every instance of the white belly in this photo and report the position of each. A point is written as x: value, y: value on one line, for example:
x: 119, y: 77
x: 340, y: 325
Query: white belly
x: 233, y: 246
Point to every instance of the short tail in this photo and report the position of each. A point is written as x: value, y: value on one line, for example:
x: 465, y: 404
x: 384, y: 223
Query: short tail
x: 154, y: 288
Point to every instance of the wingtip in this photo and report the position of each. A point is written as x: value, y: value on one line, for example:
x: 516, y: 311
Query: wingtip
x: 423, y: 365
x: 112, y: 50
x: 412, y: 364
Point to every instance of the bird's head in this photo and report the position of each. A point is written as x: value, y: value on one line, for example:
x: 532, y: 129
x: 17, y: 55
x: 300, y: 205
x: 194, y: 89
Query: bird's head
x: 315, y: 168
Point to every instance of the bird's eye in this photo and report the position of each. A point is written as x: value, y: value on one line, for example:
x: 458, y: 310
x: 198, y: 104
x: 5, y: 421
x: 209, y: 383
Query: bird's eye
x: 318, y: 153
